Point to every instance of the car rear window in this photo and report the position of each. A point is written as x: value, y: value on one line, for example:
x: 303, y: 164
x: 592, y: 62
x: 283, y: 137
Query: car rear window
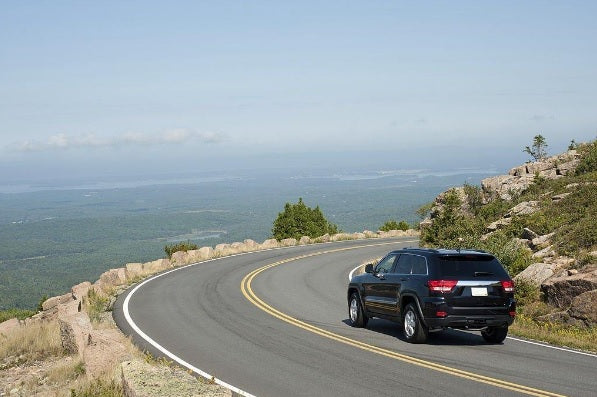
x: 469, y: 266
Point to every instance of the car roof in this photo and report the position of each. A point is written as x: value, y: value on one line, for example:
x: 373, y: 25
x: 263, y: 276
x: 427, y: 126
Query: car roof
x: 442, y: 251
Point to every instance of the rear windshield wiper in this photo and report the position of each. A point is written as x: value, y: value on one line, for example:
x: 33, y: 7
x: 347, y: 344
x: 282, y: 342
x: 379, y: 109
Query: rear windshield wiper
x: 481, y: 274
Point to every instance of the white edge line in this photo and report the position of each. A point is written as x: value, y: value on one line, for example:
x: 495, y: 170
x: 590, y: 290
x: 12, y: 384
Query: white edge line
x: 125, y: 308
x: 553, y: 347
x: 352, y: 273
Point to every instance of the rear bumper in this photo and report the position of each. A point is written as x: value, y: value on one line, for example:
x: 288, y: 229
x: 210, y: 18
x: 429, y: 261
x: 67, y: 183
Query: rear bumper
x: 467, y: 317
x: 469, y: 322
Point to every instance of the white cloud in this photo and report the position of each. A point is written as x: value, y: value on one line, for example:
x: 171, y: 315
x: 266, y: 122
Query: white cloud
x: 176, y: 136
x: 63, y: 141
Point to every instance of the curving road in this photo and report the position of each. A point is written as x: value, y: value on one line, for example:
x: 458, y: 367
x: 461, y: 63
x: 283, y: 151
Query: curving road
x: 274, y: 323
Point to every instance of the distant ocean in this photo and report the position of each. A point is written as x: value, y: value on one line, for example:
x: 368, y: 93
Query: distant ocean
x: 57, y: 233
x: 408, y: 175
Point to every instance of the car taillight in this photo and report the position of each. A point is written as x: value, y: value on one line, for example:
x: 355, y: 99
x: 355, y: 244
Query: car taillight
x: 508, y: 286
x: 442, y: 286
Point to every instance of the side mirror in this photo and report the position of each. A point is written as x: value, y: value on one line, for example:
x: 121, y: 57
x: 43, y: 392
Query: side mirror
x: 369, y: 268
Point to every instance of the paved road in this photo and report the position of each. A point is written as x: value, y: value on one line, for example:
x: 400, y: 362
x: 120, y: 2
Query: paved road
x: 284, y: 332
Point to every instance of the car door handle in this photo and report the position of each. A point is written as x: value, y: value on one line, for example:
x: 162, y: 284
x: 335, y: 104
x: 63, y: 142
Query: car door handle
x: 403, y: 279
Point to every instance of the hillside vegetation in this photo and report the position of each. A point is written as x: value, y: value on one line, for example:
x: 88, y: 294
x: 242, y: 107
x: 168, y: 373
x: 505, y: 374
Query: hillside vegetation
x: 542, y: 227
x: 463, y: 220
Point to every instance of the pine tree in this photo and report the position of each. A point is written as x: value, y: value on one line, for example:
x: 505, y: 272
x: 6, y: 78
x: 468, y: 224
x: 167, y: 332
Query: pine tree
x: 298, y: 220
x: 539, y: 148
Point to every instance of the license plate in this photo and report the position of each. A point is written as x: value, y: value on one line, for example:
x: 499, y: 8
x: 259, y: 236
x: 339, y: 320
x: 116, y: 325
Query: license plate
x: 476, y: 291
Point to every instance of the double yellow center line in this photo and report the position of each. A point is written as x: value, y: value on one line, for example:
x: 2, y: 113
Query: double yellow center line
x: 254, y: 299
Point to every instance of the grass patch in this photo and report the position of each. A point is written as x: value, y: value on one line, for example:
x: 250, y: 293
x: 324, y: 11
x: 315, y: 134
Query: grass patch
x: 35, y: 341
x: 170, y: 249
x: 555, y: 334
x: 67, y: 372
x: 98, y: 388
x: 21, y: 314
x: 96, y: 304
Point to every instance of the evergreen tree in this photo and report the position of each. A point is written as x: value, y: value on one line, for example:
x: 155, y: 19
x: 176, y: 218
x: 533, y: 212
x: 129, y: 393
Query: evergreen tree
x: 298, y: 220
x: 539, y: 148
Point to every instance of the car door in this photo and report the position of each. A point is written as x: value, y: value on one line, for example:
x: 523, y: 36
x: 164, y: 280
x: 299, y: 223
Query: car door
x: 380, y: 297
x: 399, y: 276
x: 411, y: 271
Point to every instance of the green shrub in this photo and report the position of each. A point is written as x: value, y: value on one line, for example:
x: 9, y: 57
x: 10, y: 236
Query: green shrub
x: 449, y: 226
x: 588, y: 162
x: 40, y: 304
x: 573, y: 221
x: 170, y: 249
x: 298, y: 220
x: 96, y: 305
x: 474, y: 197
x: 393, y: 225
x: 576, y: 237
x: 510, y: 253
x: 493, y: 210
x: 526, y: 292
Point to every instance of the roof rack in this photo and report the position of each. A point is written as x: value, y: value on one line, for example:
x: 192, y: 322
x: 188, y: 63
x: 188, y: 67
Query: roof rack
x: 445, y: 251
x: 435, y: 251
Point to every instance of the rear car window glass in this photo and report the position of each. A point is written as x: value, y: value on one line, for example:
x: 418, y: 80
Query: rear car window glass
x: 469, y: 266
x: 404, y: 264
x: 419, y: 265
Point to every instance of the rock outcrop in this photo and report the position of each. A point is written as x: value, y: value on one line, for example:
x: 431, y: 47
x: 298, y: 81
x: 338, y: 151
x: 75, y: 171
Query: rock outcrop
x: 288, y: 242
x: 520, y: 178
x: 537, y: 273
x: 561, y: 291
x: 583, y: 307
x: 9, y: 325
x: 569, y: 290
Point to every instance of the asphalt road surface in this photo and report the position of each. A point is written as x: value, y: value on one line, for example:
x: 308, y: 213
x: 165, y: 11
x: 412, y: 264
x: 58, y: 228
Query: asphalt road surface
x: 275, y: 323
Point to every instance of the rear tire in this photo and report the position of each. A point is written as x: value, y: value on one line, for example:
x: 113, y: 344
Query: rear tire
x: 494, y: 334
x: 356, y: 314
x: 414, y: 329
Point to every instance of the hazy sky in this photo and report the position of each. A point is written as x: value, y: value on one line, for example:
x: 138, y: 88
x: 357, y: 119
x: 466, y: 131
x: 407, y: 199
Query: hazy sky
x: 122, y: 85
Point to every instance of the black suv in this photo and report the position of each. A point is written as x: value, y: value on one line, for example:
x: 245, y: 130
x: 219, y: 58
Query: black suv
x: 426, y: 289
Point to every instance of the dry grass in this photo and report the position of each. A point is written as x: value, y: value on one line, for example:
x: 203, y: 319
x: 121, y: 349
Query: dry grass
x: 104, y: 386
x: 66, y: 372
x: 555, y: 334
x: 36, y: 341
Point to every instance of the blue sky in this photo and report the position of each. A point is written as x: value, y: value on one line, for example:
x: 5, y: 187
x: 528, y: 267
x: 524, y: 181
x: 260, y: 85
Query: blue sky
x: 145, y: 85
